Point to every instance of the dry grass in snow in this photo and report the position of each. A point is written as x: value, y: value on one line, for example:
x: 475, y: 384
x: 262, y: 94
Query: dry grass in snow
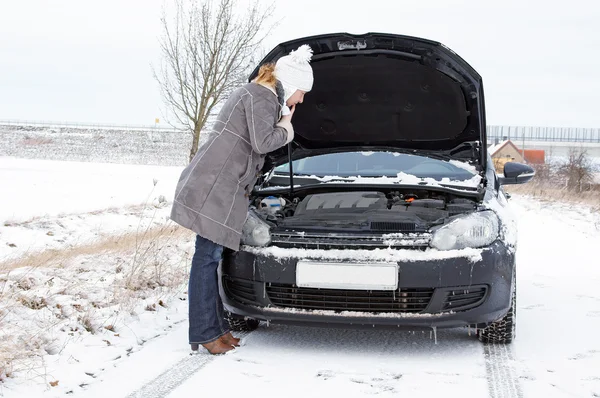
x: 93, y: 291
x: 570, y: 181
x: 552, y: 192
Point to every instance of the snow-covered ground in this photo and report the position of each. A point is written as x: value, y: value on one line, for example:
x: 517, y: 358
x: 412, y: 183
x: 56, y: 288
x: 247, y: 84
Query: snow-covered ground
x: 139, y: 349
x: 82, y: 229
x: 33, y: 188
x: 59, y: 204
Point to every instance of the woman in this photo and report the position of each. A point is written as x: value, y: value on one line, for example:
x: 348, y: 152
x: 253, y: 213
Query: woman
x: 211, y: 197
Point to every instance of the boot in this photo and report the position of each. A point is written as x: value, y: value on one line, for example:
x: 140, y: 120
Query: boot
x: 215, y: 347
x: 230, y: 340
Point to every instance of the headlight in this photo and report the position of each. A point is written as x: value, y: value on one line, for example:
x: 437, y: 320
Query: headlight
x: 255, y: 232
x: 475, y: 230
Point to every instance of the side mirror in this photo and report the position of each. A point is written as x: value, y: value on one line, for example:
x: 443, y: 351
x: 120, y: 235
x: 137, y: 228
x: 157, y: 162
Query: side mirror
x: 516, y: 173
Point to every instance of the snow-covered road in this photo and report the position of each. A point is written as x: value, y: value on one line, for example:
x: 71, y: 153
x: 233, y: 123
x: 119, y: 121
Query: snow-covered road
x: 556, y: 353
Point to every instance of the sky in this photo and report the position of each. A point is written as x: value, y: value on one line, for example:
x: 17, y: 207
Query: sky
x: 82, y: 61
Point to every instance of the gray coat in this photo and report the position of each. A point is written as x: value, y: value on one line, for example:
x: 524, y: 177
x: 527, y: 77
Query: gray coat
x: 211, y: 197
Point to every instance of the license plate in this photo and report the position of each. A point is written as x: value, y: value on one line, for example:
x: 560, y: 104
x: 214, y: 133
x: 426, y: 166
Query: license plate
x: 353, y: 276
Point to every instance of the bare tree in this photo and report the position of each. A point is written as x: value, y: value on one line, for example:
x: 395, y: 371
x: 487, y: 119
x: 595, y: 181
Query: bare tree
x: 577, y: 170
x: 208, y: 48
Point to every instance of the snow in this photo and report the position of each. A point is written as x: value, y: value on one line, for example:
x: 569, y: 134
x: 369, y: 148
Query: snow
x: 71, y: 230
x: 43, y: 187
x: 402, y: 235
x: 61, y: 306
x: 402, y: 178
x: 509, y: 227
x: 84, y: 321
x: 463, y: 165
x: 556, y: 353
x: 278, y: 187
x: 406, y: 242
x: 283, y: 361
x: 369, y: 153
x: 557, y: 348
x: 353, y: 313
x: 61, y: 204
x: 387, y: 254
x: 406, y: 239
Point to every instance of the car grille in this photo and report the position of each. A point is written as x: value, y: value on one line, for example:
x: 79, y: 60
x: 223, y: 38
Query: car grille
x: 403, y: 301
x: 240, y: 290
x: 465, y: 298
x: 319, y: 240
x: 390, y: 226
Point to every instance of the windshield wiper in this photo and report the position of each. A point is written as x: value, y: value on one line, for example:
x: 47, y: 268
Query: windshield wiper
x: 300, y: 174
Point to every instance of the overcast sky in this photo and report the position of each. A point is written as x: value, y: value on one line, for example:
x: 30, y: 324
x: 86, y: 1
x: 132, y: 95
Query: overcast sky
x: 84, y: 61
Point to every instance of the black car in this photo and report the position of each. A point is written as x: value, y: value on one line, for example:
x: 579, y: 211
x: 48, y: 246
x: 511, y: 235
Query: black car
x: 386, y: 209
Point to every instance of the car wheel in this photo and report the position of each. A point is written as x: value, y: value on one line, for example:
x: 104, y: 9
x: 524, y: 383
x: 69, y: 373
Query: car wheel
x: 502, y: 331
x: 241, y: 324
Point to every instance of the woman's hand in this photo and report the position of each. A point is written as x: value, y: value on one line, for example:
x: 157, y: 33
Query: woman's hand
x: 288, y: 118
x: 286, y: 122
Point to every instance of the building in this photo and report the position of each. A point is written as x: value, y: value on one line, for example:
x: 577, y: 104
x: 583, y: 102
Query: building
x: 534, y: 156
x: 503, y: 152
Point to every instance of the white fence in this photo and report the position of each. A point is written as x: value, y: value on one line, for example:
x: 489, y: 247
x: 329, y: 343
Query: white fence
x: 516, y: 133
x: 548, y: 134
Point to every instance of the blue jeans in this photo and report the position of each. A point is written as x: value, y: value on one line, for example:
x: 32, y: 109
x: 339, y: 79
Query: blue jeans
x: 206, y: 317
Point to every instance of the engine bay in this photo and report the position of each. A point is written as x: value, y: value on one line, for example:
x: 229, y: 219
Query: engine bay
x: 373, y: 210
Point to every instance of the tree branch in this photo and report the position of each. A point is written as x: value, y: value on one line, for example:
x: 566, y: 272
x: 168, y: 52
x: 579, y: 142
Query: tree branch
x: 207, y: 52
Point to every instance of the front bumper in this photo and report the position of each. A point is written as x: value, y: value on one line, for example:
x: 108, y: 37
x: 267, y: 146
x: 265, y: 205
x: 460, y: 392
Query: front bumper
x: 255, y: 286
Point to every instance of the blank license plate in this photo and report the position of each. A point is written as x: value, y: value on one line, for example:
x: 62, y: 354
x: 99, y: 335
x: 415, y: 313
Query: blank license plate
x: 354, y: 276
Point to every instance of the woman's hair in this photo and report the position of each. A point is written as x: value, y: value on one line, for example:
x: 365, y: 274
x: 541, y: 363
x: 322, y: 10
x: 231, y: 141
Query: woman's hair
x: 266, y: 75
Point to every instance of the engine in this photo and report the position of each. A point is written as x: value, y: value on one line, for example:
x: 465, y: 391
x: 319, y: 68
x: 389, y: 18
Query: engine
x: 372, y: 210
x: 353, y: 202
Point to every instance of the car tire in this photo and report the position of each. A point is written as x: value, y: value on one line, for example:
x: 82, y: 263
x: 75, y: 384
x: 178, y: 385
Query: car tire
x: 503, y: 331
x: 241, y: 324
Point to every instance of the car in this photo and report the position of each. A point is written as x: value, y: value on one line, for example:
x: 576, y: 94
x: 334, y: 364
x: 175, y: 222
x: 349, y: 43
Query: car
x: 386, y: 209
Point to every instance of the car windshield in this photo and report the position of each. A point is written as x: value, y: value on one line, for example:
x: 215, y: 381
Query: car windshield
x: 377, y: 164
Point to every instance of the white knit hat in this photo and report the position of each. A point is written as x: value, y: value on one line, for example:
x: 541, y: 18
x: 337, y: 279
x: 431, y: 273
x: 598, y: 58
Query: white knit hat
x: 294, y: 71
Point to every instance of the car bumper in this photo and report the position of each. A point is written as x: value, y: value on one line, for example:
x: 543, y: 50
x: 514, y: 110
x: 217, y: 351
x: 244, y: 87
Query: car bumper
x: 490, y: 275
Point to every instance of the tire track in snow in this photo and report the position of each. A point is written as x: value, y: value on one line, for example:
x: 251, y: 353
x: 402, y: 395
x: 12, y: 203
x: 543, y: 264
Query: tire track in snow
x: 502, y: 379
x: 169, y: 380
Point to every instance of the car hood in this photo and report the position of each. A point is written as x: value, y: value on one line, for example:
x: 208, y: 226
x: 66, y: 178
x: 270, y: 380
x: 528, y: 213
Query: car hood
x: 386, y: 91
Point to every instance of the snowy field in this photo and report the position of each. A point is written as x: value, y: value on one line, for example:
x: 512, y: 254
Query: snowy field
x: 163, y: 148
x: 140, y: 349
x: 153, y: 147
x: 56, y: 204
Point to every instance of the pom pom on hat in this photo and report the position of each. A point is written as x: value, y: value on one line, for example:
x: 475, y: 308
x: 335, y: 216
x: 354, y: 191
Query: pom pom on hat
x: 294, y: 70
x: 301, y: 55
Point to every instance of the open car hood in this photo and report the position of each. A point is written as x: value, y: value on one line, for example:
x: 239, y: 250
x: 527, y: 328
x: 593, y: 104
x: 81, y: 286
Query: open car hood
x: 386, y: 91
